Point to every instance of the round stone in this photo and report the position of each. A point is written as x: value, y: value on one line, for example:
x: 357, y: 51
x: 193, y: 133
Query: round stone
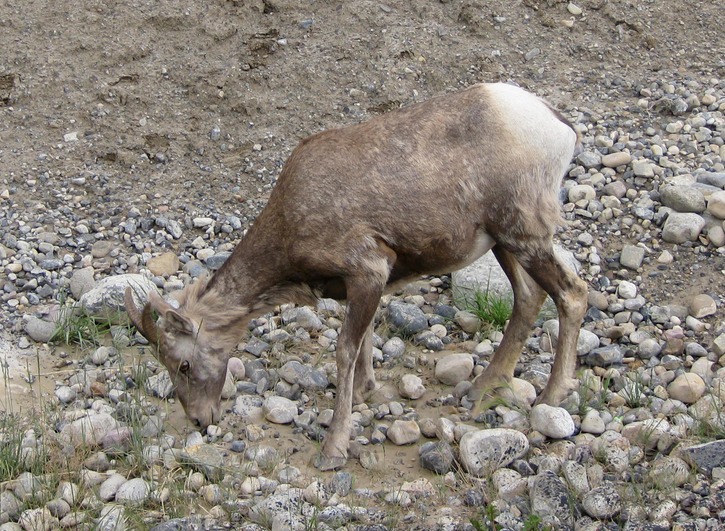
x: 554, y: 422
x: 483, y: 451
x: 279, y: 410
x: 687, y: 388
x: 454, y: 368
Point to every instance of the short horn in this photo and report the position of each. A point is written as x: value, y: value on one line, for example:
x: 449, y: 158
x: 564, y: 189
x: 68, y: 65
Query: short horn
x: 143, y: 321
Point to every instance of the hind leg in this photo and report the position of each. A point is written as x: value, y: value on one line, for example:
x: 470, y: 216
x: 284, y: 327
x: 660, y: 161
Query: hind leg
x: 528, y: 298
x: 364, y: 381
x: 569, y: 293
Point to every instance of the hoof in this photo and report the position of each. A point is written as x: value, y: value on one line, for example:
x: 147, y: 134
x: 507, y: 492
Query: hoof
x: 325, y: 464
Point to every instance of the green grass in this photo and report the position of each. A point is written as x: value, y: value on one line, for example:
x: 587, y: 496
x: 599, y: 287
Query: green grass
x: 493, y: 308
x: 75, y: 326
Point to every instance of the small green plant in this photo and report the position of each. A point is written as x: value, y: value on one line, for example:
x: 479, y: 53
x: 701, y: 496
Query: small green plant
x: 487, y: 521
x: 74, y: 325
x: 533, y: 523
x: 633, y: 391
x: 492, y: 308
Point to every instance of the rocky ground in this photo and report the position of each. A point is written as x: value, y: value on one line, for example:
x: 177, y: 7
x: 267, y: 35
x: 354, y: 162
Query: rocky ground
x: 138, y: 142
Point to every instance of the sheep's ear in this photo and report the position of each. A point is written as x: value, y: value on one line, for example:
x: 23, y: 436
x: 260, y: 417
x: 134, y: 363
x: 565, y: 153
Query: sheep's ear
x: 173, y: 317
x: 179, y: 322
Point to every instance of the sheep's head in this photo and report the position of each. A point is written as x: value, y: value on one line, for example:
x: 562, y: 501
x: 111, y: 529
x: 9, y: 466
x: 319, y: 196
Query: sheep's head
x: 194, y: 353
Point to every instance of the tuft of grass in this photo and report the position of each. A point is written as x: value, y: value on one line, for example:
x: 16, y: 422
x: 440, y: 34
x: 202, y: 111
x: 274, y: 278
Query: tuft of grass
x: 75, y: 326
x: 487, y: 522
x: 493, y: 308
x: 633, y: 391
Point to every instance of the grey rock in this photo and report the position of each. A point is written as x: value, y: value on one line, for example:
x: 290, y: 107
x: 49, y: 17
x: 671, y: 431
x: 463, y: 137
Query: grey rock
x: 217, y: 260
x: 248, y: 406
x: 112, y: 518
x: 631, y: 256
x: 468, y: 321
x: 605, y: 356
x: 307, y: 377
x: 133, y: 492
x: 304, y: 317
x: 89, y: 430
x: 648, y: 349
x: 407, y: 318
x: 682, y: 227
x: 393, y: 348
x: 429, y: 340
x: 341, y: 483
x: 612, y: 160
x: 683, y: 198
x: 581, y: 192
x: 403, y: 432
x: 437, y: 457
x: 643, y: 168
x: 483, y: 451
x: 256, y: 347
x: 10, y: 504
x: 411, y: 386
x: 205, y: 458
x: 589, y: 159
x: 668, y: 472
x: 550, y: 497
x: 65, y: 394
x: 454, y: 368
x: 706, y: 456
x: 38, y: 329
x: 39, y: 519
x: 82, y: 282
x: 586, y: 342
x: 160, y: 384
x: 712, y: 178
x: 105, y: 300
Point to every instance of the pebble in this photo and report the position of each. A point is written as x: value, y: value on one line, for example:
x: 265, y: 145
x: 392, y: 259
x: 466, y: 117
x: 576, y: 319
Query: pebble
x: 613, y: 160
x: 133, y: 492
x: 407, y: 318
x: 602, y: 503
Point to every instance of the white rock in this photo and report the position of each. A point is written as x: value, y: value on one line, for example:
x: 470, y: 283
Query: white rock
x: 554, y: 422
x: 279, y: 410
x: 402, y: 432
x: 716, y: 204
x: 411, y: 387
x: 134, y: 491
x: 627, y: 290
x: 592, y: 423
x: 483, y: 451
x: 687, y: 388
x: 454, y: 368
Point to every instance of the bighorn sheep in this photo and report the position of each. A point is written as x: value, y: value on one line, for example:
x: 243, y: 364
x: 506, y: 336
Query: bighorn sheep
x: 421, y: 190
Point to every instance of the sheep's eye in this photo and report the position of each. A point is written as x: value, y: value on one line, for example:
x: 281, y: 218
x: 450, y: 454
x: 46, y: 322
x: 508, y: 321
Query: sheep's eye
x: 184, y: 366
